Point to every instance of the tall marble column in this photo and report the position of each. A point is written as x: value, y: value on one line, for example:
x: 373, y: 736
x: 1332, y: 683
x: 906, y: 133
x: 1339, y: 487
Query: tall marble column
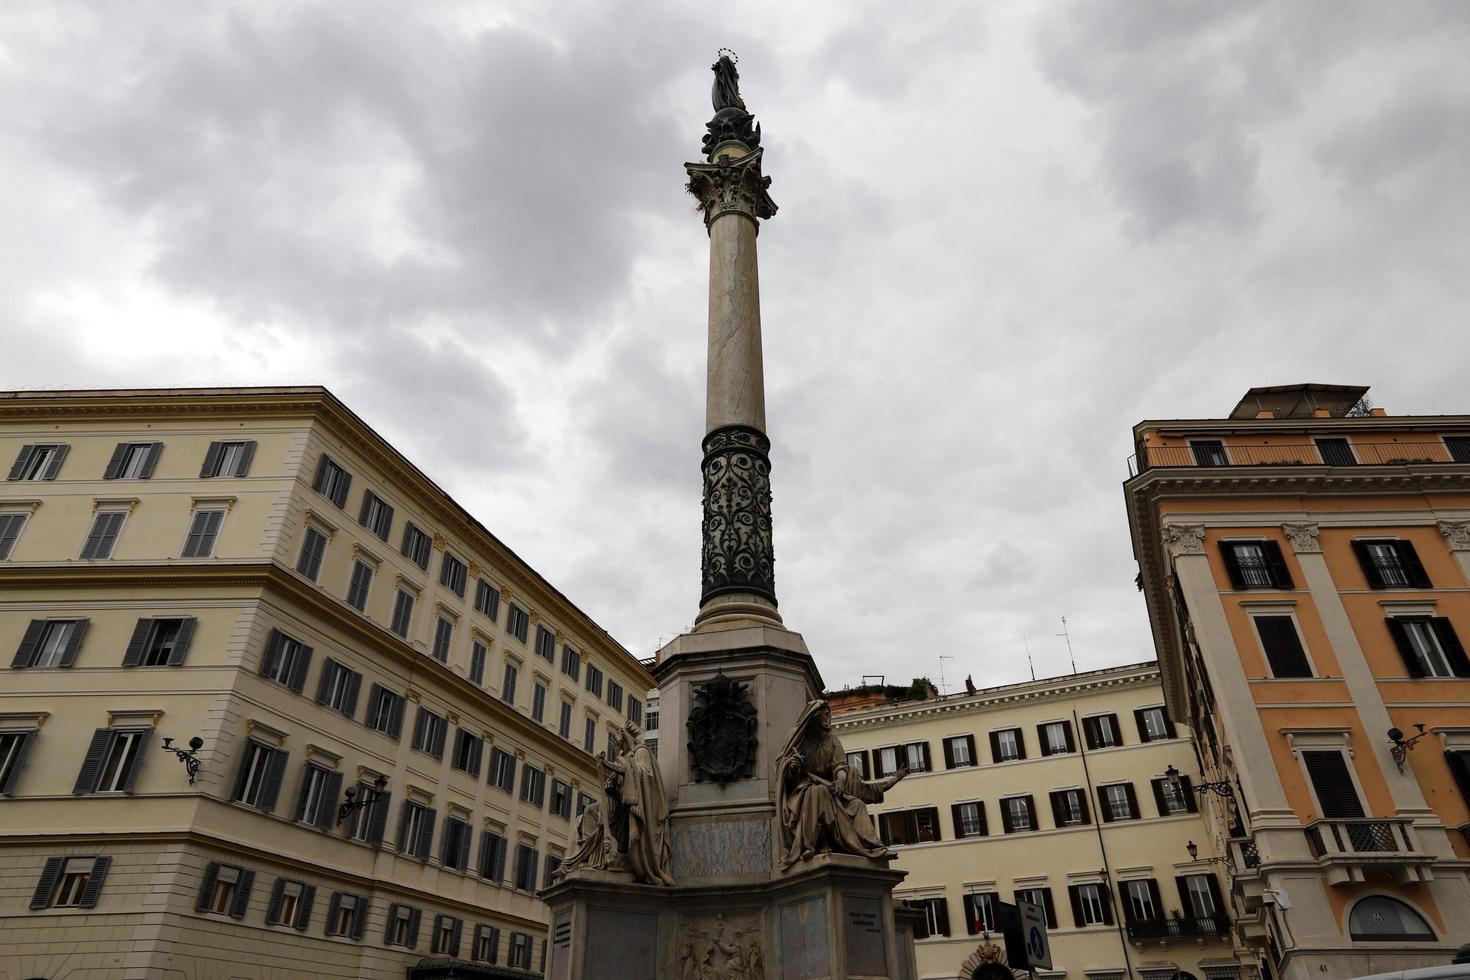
x: 738, y: 567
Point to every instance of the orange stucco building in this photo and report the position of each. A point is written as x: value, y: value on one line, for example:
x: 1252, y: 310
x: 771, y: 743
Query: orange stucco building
x: 1306, y: 564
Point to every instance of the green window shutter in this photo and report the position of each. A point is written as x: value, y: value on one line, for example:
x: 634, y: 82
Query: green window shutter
x: 388, y: 928
x: 1232, y: 566
x: 359, y: 919
x: 271, y: 788
x: 74, y: 644
x: 137, y: 765
x: 268, y: 656
x: 426, y: 836
x: 54, y: 468
x: 92, y: 763
x: 25, y: 654
x: 19, y: 467
x: 273, y: 909
x: 299, y: 668
x: 114, y: 465
x: 324, y: 683
x: 206, y: 887
x: 155, y: 450
x: 414, y: 916
x: 379, y: 819
x: 94, y: 884
x: 1280, y: 574
x: 1370, y: 569
x: 134, y: 655
x: 454, y: 937
x: 354, y: 684
x: 303, y: 908
x: 47, y: 885
x: 1418, y: 578
x: 242, y: 894
x: 1400, y: 634
x: 332, y: 907
x: 182, y: 641
x: 1450, y: 644
x: 246, y: 456
x: 331, y: 790
x: 211, y: 460
x: 21, y: 753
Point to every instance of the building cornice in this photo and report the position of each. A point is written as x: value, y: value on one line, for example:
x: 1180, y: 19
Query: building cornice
x: 319, y: 404
x: 1361, y: 423
x: 1064, y: 688
x: 271, y: 577
x: 1144, y: 492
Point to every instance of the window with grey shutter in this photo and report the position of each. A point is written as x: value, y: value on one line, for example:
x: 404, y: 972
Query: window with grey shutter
x: 15, y: 748
x: 362, y: 581
x: 11, y: 525
x: 39, y: 462
x: 1283, y: 646
x: 492, y: 856
x: 203, y: 531
x: 160, y: 642
x: 133, y: 461
x: 228, y: 459
x: 1333, y: 783
x: 50, y: 643
x: 313, y: 549
x: 487, y: 600
x: 113, y: 761
x: 517, y: 622
x: 452, y: 574
x: 376, y: 515
x: 332, y: 481
x: 1390, y: 564
x: 402, y: 613
x: 385, y: 712
x: 70, y: 882
x: 46, y: 886
x: 102, y: 537
x: 416, y: 545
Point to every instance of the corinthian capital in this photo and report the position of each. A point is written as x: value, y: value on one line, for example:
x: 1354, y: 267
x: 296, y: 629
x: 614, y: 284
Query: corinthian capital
x: 1303, y: 538
x: 1456, y: 534
x: 1184, y: 539
x: 731, y: 185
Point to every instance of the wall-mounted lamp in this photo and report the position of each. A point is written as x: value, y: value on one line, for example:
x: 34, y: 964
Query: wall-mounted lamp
x: 1221, y: 788
x: 1401, y: 745
x: 189, y: 757
x: 370, y: 795
x: 1193, y: 850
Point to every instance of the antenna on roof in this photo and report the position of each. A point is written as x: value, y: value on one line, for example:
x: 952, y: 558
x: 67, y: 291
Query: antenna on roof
x: 1029, y: 662
x: 1070, y: 655
x: 943, y: 689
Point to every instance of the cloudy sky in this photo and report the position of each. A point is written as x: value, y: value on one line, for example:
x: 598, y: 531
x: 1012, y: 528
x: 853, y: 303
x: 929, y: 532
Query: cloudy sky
x: 1008, y: 231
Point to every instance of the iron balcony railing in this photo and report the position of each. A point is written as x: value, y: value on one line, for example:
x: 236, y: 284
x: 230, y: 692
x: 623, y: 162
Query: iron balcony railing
x: 1180, y: 928
x: 1329, y: 838
x: 1245, y: 852
x: 1288, y: 454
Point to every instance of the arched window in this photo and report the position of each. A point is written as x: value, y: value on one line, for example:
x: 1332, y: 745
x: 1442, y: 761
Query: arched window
x: 1381, y: 917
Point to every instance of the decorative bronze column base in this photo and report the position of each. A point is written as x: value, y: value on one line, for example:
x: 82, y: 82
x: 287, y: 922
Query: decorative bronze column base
x: 738, y: 555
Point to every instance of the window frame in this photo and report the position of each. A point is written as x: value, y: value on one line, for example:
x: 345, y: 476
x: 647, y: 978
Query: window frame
x: 199, y: 542
x: 1288, y: 613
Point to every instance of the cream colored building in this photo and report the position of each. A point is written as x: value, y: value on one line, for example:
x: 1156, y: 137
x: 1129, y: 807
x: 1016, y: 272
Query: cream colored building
x: 1053, y: 791
x: 258, y: 568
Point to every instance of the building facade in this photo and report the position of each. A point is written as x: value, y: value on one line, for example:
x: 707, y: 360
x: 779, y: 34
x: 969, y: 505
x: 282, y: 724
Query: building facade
x: 1306, y: 564
x: 1055, y: 792
x: 258, y: 569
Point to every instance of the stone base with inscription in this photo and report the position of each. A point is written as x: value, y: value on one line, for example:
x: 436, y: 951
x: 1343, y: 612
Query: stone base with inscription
x: 831, y: 919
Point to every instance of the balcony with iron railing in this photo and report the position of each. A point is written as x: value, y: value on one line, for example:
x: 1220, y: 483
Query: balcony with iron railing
x: 1216, y: 454
x: 1183, y: 927
x: 1347, y: 848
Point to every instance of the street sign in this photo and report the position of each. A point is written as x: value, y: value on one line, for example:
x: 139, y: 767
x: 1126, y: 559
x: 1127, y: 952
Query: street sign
x: 1033, y: 927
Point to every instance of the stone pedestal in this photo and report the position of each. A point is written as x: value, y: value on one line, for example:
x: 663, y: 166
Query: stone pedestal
x: 832, y: 919
x: 732, y: 912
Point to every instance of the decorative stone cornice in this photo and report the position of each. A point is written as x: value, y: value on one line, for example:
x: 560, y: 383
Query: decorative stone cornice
x: 1456, y: 534
x: 1184, y: 539
x: 729, y: 185
x: 1303, y: 537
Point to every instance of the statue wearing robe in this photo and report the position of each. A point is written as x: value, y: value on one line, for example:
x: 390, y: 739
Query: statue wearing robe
x: 726, y: 91
x: 590, y: 848
x: 636, y: 818
x: 824, y: 803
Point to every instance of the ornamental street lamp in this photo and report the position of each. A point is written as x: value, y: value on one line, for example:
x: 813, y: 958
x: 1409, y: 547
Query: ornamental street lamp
x: 189, y: 757
x: 370, y: 795
x: 1221, y: 788
x: 1401, y: 745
